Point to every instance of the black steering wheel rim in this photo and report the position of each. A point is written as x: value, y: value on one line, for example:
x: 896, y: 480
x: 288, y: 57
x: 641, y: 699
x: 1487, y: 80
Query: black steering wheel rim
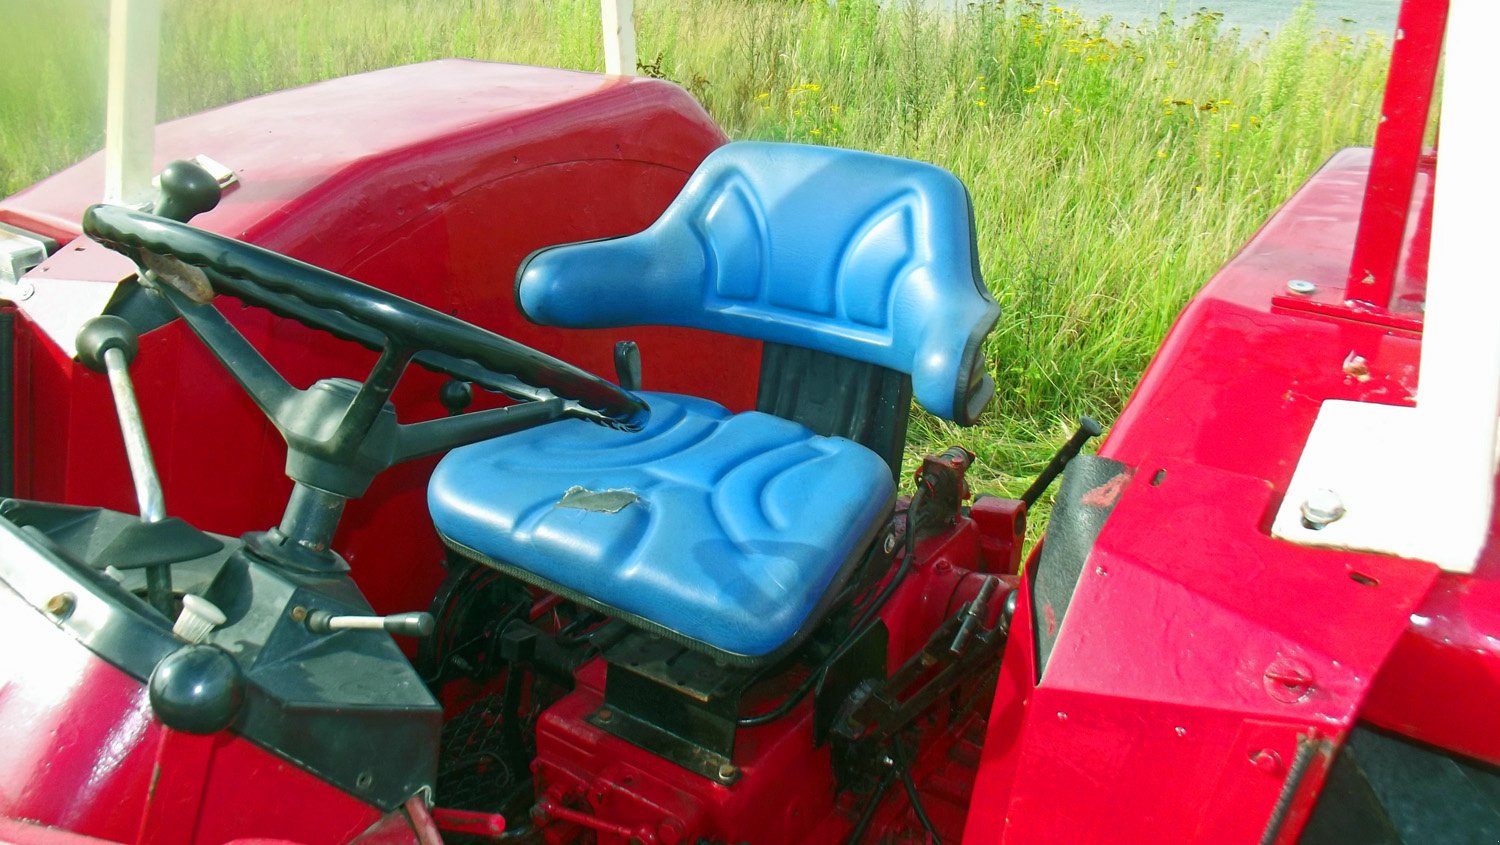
x: 341, y: 306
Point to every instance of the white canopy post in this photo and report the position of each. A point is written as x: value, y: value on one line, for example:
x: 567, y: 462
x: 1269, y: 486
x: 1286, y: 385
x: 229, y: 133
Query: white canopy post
x: 619, y: 36
x: 1418, y: 482
x: 130, y: 119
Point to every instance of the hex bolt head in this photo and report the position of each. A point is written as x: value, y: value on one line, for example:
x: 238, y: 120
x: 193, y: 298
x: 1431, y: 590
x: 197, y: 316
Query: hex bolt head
x: 1302, y: 287
x: 1322, y: 507
x: 61, y: 605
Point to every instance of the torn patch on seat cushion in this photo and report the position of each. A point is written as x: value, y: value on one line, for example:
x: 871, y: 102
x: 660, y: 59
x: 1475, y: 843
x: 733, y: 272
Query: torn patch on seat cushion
x: 598, y: 501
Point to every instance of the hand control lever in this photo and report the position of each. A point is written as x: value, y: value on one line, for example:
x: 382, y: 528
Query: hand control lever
x: 107, y: 344
x: 405, y: 624
x: 1087, y: 428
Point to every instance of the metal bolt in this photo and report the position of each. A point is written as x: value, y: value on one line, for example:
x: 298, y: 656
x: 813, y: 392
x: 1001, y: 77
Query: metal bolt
x: 1321, y: 508
x: 727, y: 771
x: 299, y: 614
x: 1267, y: 761
x: 606, y: 715
x: 62, y: 604
x: 890, y: 543
x: 1302, y: 287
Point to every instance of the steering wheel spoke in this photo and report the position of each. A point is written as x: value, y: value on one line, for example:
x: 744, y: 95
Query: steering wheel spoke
x: 266, y: 387
x: 418, y: 440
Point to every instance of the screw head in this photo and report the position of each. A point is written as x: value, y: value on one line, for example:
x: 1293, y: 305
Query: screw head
x: 1322, y: 507
x: 890, y: 543
x: 1301, y: 287
x: 606, y: 715
x: 727, y: 771
x: 61, y: 605
x: 1267, y: 761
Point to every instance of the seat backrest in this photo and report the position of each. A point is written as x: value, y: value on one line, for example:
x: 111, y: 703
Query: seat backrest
x: 856, y: 255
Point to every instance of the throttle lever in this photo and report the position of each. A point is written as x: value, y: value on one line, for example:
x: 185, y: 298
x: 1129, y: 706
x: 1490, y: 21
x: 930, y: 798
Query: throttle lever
x: 418, y: 624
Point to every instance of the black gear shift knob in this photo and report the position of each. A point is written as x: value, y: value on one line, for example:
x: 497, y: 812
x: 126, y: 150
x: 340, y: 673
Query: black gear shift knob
x: 187, y: 190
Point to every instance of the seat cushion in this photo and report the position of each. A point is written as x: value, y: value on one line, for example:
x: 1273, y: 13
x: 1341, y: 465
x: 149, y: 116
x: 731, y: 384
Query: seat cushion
x: 725, y: 530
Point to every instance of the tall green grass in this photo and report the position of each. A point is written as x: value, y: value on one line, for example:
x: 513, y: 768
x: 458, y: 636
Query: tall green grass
x: 1113, y: 165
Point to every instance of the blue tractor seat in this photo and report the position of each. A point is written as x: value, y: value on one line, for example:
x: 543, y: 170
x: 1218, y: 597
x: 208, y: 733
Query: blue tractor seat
x: 732, y: 532
x: 715, y: 528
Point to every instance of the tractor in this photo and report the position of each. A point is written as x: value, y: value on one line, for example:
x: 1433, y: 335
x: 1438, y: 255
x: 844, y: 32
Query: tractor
x: 467, y: 452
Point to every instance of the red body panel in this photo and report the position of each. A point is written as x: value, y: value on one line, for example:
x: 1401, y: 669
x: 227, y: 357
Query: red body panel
x: 82, y: 752
x: 432, y: 181
x: 1197, y: 650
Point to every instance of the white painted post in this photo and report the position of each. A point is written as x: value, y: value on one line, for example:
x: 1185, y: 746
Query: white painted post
x: 619, y: 36
x: 130, y: 118
x: 1459, y: 392
x: 1419, y: 482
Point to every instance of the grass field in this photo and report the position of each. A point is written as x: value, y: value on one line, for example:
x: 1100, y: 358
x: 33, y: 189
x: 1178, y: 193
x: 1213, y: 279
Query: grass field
x: 1113, y: 167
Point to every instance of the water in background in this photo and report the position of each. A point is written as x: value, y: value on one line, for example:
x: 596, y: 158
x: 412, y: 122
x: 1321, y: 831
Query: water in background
x: 1253, y: 16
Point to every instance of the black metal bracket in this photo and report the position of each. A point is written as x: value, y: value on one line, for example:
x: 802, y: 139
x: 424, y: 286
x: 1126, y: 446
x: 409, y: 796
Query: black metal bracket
x: 878, y: 710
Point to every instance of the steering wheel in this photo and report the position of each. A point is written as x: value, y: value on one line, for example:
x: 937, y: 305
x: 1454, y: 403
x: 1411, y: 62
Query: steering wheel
x: 339, y: 433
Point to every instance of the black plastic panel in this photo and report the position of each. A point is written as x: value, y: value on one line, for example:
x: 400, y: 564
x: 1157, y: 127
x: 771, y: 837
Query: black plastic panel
x: 346, y: 706
x: 1076, y: 521
x: 836, y: 396
x: 1386, y: 789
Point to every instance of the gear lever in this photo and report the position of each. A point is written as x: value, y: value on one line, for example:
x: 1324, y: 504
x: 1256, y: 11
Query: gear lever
x: 107, y: 345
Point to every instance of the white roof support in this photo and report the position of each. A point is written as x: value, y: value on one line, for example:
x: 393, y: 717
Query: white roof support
x: 1419, y: 482
x: 130, y: 120
x: 619, y: 36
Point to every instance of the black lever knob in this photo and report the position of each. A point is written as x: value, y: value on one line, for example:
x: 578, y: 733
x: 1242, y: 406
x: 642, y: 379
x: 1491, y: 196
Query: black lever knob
x: 187, y: 190
x: 455, y: 396
x: 102, y: 334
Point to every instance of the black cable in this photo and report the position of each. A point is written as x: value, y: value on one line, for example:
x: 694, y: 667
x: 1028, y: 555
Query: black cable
x: 855, y: 632
x: 911, y: 792
x: 869, y: 812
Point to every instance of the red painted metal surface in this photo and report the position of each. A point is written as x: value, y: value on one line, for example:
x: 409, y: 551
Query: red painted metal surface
x: 1198, y: 650
x: 83, y: 753
x: 1382, y: 235
x: 432, y: 181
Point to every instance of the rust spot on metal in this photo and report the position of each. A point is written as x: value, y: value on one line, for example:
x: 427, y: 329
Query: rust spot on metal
x: 1051, y: 618
x: 1356, y: 367
x: 1106, y: 494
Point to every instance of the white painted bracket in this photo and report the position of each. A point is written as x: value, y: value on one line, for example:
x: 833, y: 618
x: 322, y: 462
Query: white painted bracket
x: 618, y: 17
x: 1420, y: 482
x: 130, y: 117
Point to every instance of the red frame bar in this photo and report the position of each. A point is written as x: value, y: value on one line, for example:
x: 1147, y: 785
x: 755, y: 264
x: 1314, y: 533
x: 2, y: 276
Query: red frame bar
x: 1415, y: 55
